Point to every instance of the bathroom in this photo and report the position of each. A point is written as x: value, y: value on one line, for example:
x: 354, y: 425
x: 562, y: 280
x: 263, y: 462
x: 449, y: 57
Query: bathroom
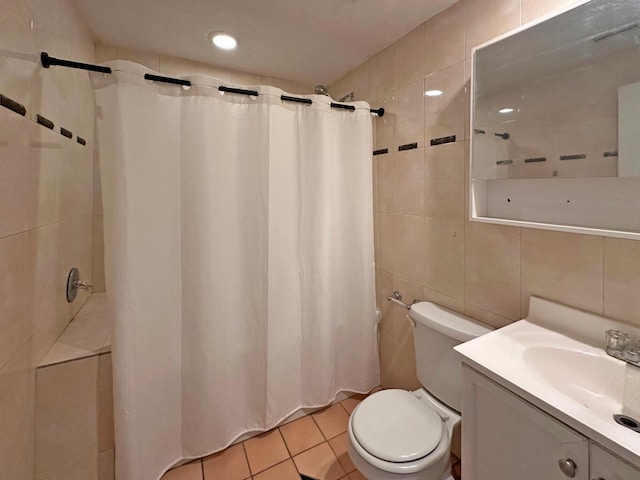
x: 56, y: 389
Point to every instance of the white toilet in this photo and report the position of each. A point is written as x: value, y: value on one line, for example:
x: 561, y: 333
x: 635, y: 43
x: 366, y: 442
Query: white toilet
x: 396, y: 434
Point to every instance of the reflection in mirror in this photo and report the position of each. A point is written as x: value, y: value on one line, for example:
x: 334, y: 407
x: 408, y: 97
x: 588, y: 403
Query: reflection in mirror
x: 559, y: 101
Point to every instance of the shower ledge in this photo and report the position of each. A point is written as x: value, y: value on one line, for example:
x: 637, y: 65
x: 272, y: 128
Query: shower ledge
x: 87, y: 335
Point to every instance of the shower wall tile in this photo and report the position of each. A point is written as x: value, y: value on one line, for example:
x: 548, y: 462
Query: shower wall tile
x: 621, y: 279
x: 17, y: 419
x: 384, y: 288
x: 105, y: 419
x: 444, y: 256
x: 385, y: 253
x: 492, y: 268
x: 486, y: 19
x: 384, y: 126
x: 407, y: 250
x: 445, y: 114
x: 408, y: 57
x: 399, y: 326
x: 564, y: 267
x: 408, y: 182
x: 409, y: 111
x: 66, y: 427
x: 45, y: 183
x: 106, y: 465
x: 381, y: 71
x: 60, y: 27
x: 356, y: 81
x: 398, y: 364
x: 385, y: 182
x: 444, y: 181
x: 446, y: 301
x: 444, y: 39
x: 485, y: 316
x: 34, y: 265
x: 16, y: 43
x: 532, y: 9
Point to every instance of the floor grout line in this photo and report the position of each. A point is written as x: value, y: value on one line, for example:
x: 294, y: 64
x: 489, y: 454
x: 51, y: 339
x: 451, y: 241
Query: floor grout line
x: 291, y: 457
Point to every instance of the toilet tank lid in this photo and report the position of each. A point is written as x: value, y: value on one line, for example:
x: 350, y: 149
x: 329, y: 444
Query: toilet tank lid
x: 445, y: 321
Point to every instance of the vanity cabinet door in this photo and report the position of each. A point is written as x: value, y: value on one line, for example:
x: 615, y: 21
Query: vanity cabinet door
x: 606, y: 466
x: 506, y: 438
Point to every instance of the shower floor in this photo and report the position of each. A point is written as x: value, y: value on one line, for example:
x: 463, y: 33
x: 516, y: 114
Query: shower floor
x: 313, y: 447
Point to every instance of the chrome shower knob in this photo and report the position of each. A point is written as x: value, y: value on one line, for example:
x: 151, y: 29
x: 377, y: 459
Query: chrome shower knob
x: 74, y: 284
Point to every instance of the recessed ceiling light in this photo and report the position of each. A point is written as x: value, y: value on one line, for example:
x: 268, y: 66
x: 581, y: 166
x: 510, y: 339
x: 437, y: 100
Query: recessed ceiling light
x: 433, y: 93
x: 223, y: 40
x: 505, y: 110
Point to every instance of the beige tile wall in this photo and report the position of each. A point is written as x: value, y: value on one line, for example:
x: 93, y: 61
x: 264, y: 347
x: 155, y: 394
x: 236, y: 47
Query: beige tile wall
x: 46, y: 207
x: 74, y: 420
x: 425, y: 246
x: 170, y: 66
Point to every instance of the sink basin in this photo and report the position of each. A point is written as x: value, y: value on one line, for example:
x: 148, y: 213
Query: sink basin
x: 555, y: 360
x: 592, y: 379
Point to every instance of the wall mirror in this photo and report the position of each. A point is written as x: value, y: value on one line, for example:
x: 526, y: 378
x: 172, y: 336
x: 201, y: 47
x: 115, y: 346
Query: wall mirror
x: 555, y: 131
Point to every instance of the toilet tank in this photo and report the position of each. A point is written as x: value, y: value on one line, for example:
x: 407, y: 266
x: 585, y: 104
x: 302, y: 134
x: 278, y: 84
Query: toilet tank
x: 437, y: 331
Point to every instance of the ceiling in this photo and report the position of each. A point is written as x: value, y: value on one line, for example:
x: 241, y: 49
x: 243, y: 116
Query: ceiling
x: 307, y: 41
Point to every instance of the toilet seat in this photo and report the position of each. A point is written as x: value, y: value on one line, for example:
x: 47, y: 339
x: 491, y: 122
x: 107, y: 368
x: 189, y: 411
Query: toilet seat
x: 432, y: 466
x: 394, y: 426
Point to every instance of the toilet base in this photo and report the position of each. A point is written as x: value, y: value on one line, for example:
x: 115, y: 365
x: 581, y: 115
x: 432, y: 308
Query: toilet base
x: 441, y: 471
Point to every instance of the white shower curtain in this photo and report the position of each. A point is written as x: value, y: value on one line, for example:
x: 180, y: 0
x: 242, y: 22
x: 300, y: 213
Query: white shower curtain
x: 238, y: 258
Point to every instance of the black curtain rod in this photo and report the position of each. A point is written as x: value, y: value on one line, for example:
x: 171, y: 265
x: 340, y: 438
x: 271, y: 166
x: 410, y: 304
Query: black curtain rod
x: 308, y: 101
x: 341, y: 106
x: 286, y: 98
x: 240, y: 91
x: 173, y: 81
x: 47, y: 61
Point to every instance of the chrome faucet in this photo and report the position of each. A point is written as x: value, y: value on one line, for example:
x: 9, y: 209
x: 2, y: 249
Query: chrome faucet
x: 620, y: 346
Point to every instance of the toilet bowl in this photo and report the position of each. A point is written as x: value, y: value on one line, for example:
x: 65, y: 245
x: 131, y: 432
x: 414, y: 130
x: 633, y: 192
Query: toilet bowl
x: 401, y: 435
x: 404, y: 435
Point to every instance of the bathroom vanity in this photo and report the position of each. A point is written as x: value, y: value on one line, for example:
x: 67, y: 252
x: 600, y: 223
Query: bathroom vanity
x: 539, y: 399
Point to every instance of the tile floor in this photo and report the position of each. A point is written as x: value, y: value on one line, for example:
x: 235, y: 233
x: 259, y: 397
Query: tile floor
x: 314, y: 446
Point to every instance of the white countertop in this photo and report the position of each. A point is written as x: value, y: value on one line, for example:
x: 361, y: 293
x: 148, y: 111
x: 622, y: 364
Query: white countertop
x: 500, y: 355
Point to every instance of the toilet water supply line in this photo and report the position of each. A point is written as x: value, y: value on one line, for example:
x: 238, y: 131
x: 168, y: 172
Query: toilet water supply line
x: 396, y: 297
